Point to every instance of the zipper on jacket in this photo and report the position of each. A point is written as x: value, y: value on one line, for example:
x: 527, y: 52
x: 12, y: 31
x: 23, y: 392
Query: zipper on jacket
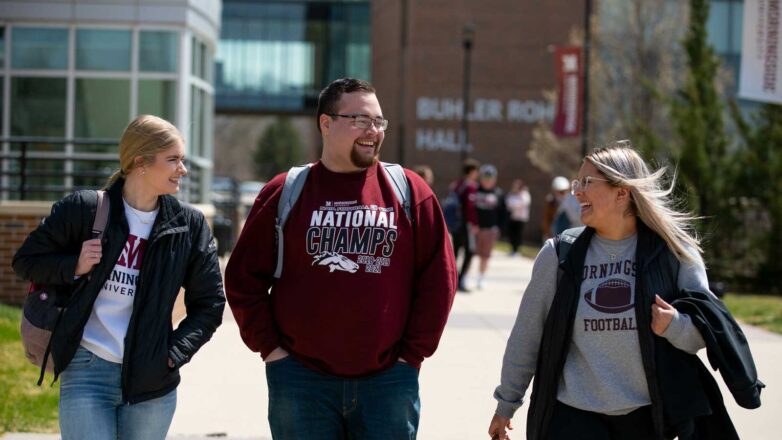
x: 125, y: 376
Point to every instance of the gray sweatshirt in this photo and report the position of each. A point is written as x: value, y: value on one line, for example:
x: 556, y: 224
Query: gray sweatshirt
x: 603, y: 371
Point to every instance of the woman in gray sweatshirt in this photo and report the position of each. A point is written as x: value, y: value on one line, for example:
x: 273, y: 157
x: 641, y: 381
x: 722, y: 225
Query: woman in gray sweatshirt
x: 603, y: 390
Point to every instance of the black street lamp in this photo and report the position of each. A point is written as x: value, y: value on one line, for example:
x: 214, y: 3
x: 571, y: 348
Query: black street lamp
x: 468, y: 33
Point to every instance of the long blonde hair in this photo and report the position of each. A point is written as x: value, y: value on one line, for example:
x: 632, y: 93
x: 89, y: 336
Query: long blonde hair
x: 145, y: 136
x: 650, y: 200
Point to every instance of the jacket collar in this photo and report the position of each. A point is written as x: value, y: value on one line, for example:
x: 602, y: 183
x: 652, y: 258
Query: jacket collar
x: 169, y: 216
x: 649, y: 247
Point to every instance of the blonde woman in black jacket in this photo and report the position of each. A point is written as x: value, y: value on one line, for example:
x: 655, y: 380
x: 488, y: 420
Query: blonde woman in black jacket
x: 115, y: 347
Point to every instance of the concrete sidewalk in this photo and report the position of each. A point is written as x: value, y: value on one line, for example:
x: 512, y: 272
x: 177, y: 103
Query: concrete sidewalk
x: 223, y: 391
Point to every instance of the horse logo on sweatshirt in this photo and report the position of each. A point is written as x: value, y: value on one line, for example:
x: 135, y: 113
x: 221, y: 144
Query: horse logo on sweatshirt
x: 335, y: 261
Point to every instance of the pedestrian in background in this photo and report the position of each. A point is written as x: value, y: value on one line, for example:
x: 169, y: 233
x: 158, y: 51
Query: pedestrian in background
x: 114, y: 347
x: 464, y: 233
x: 518, y: 203
x: 426, y: 173
x: 365, y: 288
x: 613, y: 316
x: 490, y: 206
x: 559, y: 190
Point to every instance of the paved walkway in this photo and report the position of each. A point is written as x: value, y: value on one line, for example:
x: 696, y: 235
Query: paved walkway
x: 223, y: 391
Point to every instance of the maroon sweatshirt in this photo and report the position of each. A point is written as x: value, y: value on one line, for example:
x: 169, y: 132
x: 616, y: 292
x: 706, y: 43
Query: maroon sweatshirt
x: 361, y: 284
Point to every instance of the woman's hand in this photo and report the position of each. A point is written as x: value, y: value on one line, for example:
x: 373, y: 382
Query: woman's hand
x: 497, y: 428
x: 90, y: 255
x: 662, y: 315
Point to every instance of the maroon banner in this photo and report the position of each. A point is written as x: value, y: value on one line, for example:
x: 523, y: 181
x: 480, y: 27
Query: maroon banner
x: 570, y: 91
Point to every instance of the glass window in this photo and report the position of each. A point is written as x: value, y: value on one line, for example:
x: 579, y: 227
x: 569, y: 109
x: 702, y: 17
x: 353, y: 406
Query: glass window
x: 195, y: 62
x: 102, y: 108
x: 93, y: 174
x: 158, y: 51
x: 39, y: 48
x: 2, y: 47
x: 157, y: 97
x: 717, y: 26
x: 196, y: 121
x: 103, y: 49
x: 737, y: 26
x: 38, y: 107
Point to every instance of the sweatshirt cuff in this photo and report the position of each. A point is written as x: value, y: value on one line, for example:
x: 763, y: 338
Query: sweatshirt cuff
x: 507, y: 410
x: 676, y: 328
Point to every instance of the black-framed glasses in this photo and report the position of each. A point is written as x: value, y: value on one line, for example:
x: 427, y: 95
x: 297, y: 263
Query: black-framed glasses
x: 583, y: 183
x: 363, y: 121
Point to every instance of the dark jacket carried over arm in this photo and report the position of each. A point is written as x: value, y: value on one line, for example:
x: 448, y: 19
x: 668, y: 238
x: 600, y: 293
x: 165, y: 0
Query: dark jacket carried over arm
x: 181, y: 252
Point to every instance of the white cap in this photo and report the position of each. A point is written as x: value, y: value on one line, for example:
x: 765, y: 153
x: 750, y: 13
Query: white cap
x: 560, y: 184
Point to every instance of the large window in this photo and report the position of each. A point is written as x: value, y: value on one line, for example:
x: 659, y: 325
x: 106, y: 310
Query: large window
x: 75, y: 88
x: 39, y: 48
x: 38, y: 107
x: 103, y: 49
x: 277, y: 56
x: 102, y: 108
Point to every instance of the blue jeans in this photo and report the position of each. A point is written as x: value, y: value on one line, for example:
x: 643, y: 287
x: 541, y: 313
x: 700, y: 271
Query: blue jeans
x: 92, y: 408
x: 306, y: 404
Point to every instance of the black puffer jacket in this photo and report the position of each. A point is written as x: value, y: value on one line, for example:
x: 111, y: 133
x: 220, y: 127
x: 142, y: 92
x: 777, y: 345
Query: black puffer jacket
x: 181, y: 253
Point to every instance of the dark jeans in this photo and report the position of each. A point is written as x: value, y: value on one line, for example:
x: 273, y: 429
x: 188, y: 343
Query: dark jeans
x: 568, y: 423
x: 461, y: 239
x: 515, y: 233
x: 306, y: 404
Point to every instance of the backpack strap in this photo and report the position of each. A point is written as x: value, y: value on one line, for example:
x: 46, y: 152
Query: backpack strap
x: 101, y: 215
x: 291, y: 190
x: 98, y: 226
x: 562, y: 244
x: 396, y: 174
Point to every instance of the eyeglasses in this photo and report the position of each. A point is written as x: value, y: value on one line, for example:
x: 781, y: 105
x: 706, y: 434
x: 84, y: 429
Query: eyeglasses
x: 583, y: 184
x: 363, y: 121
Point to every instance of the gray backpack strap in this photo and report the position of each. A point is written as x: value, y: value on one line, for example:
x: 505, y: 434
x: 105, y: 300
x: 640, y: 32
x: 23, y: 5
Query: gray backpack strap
x: 291, y: 190
x: 101, y: 215
x: 396, y: 174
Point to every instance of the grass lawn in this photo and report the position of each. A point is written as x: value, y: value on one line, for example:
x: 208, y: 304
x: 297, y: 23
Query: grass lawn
x: 24, y: 406
x: 762, y: 311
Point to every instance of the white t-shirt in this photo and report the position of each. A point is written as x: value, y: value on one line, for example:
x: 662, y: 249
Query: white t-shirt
x: 105, y: 331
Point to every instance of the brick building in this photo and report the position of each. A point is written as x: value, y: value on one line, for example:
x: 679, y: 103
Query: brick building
x: 418, y: 70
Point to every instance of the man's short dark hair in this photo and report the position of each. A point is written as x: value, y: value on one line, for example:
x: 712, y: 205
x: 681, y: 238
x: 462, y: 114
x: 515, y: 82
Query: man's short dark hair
x: 469, y: 165
x: 330, y: 96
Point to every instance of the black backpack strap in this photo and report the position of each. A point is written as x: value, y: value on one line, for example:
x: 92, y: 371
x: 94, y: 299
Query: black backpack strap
x: 563, y: 243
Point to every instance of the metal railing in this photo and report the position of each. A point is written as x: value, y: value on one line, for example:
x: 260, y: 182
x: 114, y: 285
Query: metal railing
x: 47, y: 168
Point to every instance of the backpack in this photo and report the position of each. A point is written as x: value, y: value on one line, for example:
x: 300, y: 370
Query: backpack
x: 45, y: 305
x: 562, y: 244
x: 294, y: 183
x: 452, y: 210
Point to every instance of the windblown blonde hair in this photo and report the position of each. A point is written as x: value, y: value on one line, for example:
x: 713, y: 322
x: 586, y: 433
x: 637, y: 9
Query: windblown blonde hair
x: 145, y: 136
x: 649, y: 199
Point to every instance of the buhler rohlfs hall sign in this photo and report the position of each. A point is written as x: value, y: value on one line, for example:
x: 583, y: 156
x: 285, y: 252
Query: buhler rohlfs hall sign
x: 483, y: 110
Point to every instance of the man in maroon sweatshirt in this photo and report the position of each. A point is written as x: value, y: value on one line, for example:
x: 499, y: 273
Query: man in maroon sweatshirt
x: 365, y: 289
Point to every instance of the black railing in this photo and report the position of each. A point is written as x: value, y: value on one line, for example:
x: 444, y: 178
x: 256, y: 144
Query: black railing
x: 47, y: 168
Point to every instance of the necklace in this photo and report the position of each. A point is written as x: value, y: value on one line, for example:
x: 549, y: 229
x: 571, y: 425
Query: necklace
x: 148, y: 218
x: 613, y: 255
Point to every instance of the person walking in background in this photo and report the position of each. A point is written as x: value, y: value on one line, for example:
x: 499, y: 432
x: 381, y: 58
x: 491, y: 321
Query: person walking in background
x: 463, y: 224
x: 568, y: 213
x: 426, y: 173
x: 559, y: 189
x: 113, y: 347
x: 364, y: 290
x: 490, y: 206
x: 613, y: 316
x: 517, y: 202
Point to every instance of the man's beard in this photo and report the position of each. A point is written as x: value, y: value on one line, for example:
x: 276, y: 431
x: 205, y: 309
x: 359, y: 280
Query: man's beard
x: 362, y: 161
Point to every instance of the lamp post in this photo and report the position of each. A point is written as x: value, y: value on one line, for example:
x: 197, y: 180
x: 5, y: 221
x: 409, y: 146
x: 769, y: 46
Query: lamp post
x: 587, y: 48
x: 468, y: 33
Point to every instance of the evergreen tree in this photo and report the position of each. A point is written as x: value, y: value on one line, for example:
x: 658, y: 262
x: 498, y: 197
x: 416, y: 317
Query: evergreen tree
x: 279, y: 148
x: 759, y: 179
x: 705, y: 165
